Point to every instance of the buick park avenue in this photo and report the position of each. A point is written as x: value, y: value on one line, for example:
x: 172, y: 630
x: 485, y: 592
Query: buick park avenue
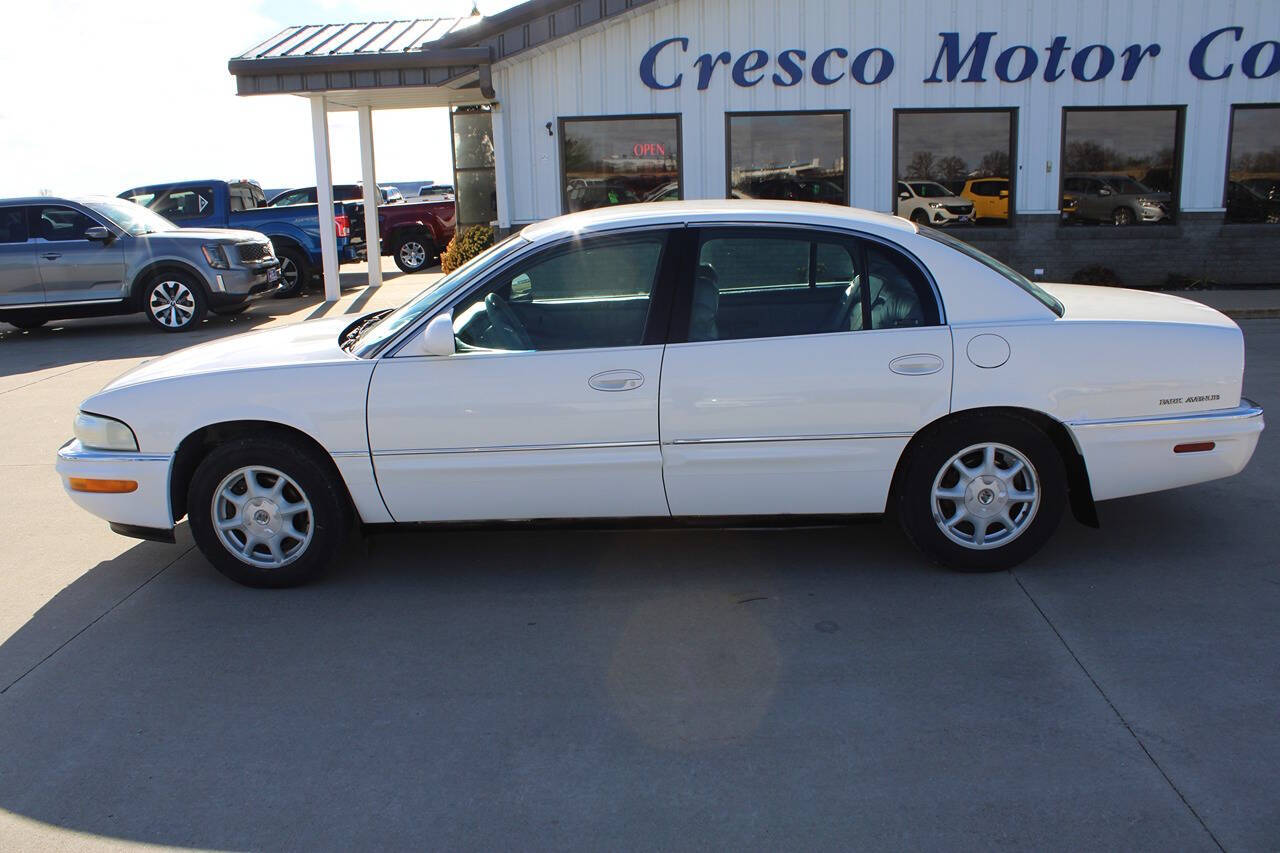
x: 678, y: 362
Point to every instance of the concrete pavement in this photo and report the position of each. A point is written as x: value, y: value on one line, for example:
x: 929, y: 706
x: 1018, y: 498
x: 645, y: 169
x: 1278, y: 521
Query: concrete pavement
x: 629, y: 689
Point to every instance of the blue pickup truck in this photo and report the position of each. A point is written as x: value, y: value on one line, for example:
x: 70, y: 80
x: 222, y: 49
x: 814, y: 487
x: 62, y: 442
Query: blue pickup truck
x: 294, y: 230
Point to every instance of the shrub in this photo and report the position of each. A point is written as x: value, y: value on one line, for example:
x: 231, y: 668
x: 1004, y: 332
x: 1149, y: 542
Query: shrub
x: 1096, y: 274
x: 464, y: 246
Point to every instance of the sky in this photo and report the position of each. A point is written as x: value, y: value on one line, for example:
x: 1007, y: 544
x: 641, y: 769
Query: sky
x: 114, y: 95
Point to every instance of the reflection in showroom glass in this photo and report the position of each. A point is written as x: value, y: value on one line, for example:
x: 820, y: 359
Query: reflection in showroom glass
x: 793, y: 156
x: 619, y: 161
x: 1120, y: 167
x: 1253, y: 180
x: 953, y: 166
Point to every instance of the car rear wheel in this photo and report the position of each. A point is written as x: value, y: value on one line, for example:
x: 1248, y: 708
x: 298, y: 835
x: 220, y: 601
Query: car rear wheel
x: 982, y: 493
x: 1122, y: 216
x: 267, y: 514
x: 174, y: 302
x: 294, y: 271
x: 413, y: 253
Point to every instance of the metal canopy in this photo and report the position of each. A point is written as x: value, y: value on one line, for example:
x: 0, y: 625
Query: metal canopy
x: 441, y: 61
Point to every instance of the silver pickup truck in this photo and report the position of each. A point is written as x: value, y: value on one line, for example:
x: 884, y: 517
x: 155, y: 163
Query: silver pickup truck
x: 91, y: 257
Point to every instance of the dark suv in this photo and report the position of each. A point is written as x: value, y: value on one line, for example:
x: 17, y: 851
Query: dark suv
x: 63, y: 258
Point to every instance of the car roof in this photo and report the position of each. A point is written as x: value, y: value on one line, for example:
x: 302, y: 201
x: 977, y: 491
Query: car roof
x: 730, y: 211
x: 57, y: 199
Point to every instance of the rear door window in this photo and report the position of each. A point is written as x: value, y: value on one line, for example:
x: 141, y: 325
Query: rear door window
x: 13, y: 225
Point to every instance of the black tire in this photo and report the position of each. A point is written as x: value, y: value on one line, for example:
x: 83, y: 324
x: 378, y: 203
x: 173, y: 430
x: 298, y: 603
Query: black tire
x: 1122, y: 216
x: 174, y: 301
x: 929, y: 462
x: 25, y: 323
x: 920, y: 217
x: 232, y: 311
x: 414, y: 252
x: 328, y: 519
x: 295, y: 272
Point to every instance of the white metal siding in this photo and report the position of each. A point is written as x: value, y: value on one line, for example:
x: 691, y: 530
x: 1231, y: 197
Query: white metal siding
x: 597, y: 73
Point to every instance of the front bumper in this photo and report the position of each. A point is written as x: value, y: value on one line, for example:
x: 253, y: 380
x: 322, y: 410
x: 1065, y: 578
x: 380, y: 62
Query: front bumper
x: 239, y: 285
x: 147, y: 506
x: 1134, y: 456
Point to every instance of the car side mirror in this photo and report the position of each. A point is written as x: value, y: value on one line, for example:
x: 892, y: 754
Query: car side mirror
x: 98, y: 233
x: 1104, y: 191
x: 904, y: 196
x: 437, y: 338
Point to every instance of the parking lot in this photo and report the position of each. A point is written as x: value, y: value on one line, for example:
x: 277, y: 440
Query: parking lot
x: 796, y: 688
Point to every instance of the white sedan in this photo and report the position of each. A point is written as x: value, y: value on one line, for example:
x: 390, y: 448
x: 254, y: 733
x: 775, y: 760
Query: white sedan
x: 683, y: 361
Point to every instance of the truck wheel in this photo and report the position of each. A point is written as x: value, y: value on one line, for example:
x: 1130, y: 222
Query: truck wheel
x: 414, y: 252
x: 294, y: 273
x: 174, y: 302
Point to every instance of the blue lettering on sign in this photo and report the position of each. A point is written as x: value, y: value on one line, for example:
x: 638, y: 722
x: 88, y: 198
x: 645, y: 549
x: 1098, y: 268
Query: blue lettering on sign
x: 960, y: 60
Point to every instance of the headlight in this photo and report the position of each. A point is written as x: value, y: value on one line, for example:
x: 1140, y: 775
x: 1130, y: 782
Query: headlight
x: 216, y: 256
x: 934, y: 204
x: 1148, y: 202
x: 98, y: 433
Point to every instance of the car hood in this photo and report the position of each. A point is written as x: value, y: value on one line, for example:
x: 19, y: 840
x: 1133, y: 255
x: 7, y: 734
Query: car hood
x: 1091, y: 302
x: 207, y: 235
x: 314, y: 342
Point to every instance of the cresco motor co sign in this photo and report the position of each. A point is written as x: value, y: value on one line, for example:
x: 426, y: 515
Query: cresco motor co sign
x: 1217, y: 55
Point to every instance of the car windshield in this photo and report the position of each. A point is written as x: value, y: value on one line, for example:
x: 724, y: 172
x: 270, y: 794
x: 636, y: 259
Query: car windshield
x: 1042, y: 295
x: 1127, y: 186
x: 132, y: 217
x: 389, y: 326
x: 928, y: 189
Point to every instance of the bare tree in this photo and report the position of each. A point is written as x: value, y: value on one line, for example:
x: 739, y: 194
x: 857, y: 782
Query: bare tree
x: 921, y: 166
x: 952, y: 168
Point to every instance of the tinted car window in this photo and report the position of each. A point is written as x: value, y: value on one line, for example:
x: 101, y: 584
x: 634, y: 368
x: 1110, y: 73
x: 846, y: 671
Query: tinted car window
x: 57, y: 223
x: 13, y: 225
x: 179, y: 204
x: 751, y: 286
x: 899, y: 294
x: 295, y: 197
x: 580, y: 296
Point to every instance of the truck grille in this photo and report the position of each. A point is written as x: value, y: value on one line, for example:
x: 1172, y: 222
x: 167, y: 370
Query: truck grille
x: 254, y: 252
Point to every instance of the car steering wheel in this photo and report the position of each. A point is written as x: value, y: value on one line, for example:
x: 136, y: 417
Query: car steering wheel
x: 506, y: 324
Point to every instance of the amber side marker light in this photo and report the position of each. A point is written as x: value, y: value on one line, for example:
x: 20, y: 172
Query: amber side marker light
x: 1195, y: 447
x: 102, y: 487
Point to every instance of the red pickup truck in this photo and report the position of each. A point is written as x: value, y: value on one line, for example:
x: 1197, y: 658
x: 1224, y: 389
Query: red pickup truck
x: 414, y: 233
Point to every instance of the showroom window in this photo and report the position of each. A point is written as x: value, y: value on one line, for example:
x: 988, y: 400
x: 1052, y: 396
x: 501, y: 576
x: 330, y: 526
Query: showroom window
x: 752, y: 284
x: 1253, y: 165
x: 954, y: 167
x: 580, y: 296
x: 619, y: 160
x: 474, y: 173
x: 799, y: 156
x: 1121, y: 166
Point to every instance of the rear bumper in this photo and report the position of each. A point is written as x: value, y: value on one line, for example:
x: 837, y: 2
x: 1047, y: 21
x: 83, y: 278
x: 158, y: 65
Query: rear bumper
x: 145, y: 507
x: 1136, y: 455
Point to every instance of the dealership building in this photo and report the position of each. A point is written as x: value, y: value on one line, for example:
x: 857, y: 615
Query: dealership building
x: 1137, y: 136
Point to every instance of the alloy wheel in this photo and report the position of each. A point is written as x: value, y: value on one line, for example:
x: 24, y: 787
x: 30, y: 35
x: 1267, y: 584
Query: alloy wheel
x: 985, y: 496
x: 413, y: 254
x: 262, y: 517
x: 172, y: 304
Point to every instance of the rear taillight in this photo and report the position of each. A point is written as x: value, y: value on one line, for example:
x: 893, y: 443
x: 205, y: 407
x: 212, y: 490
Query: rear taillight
x: 343, y: 224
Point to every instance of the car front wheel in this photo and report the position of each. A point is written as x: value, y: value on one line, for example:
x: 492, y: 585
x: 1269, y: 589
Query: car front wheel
x: 1122, y: 216
x: 267, y: 514
x: 174, y: 302
x: 982, y: 493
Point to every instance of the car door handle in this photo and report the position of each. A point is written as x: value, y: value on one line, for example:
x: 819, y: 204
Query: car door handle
x: 52, y: 256
x: 917, y: 364
x: 616, y: 380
